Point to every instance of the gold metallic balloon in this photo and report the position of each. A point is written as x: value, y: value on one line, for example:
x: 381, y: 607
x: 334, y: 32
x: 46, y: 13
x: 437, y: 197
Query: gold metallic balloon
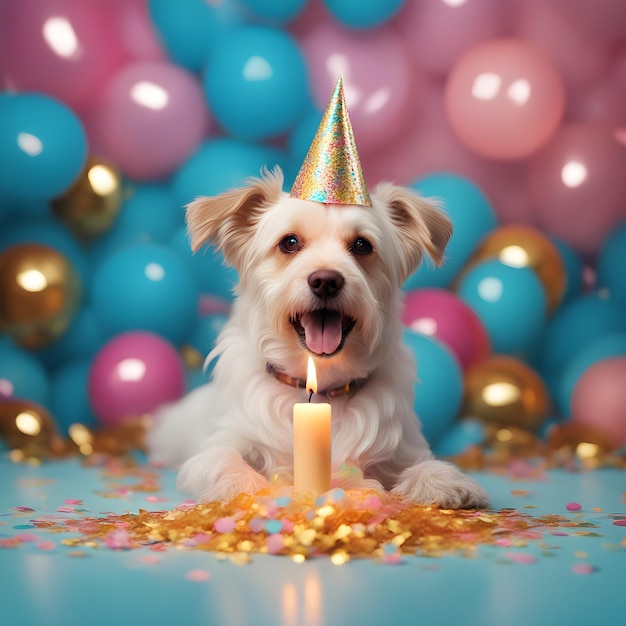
x: 522, y: 246
x: 27, y: 429
x: 585, y: 442
x: 39, y: 293
x: 90, y: 206
x: 504, y: 391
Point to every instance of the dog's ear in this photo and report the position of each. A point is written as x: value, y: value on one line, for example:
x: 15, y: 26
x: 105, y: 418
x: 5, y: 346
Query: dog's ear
x: 420, y: 223
x: 226, y: 220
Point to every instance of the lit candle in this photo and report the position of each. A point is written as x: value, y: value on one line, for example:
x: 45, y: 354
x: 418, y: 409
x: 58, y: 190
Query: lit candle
x: 311, y: 441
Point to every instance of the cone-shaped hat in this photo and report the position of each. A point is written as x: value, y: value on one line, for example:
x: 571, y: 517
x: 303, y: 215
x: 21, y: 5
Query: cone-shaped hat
x: 331, y: 172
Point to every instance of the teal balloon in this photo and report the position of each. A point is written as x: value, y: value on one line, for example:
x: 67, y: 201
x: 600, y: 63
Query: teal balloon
x: 605, y: 347
x: 611, y: 264
x: 576, y: 325
x: 274, y: 11
x: 70, y: 399
x: 510, y: 301
x: 22, y: 375
x: 219, y: 165
x: 464, y: 433
x: 145, y: 287
x: 208, y: 328
x: 256, y: 82
x: 190, y: 29
x: 573, y: 270
x: 439, y: 388
x: 472, y: 217
x: 363, y: 13
x: 43, y: 146
x: 207, y: 266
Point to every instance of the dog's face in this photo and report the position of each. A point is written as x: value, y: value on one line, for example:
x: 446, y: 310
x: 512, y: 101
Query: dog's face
x: 319, y: 279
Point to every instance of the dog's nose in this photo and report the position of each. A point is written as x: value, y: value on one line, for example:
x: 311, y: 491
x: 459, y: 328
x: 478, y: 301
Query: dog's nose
x: 326, y: 283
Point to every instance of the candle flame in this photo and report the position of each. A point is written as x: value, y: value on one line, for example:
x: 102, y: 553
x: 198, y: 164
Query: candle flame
x: 311, y: 377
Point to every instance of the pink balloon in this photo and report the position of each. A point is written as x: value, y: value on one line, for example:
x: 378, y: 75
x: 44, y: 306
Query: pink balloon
x: 64, y: 48
x: 579, y: 54
x: 132, y: 375
x: 136, y: 30
x: 505, y: 99
x: 427, y: 145
x: 437, y: 33
x: 599, y: 399
x: 606, y: 18
x: 442, y: 314
x: 577, y: 185
x: 380, y: 85
x: 150, y: 118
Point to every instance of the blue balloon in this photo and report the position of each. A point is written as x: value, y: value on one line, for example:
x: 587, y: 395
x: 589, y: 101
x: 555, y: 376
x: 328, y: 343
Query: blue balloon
x: 256, y: 82
x: 360, y: 14
x: 148, y: 215
x: 439, y: 388
x: 22, y: 376
x: 274, y: 11
x: 219, y: 165
x: 190, y: 29
x: 472, y: 216
x: 70, y: 398
x: 510, y: 301
x: 611, y: 264
x: 204, y: 336
x: 82, y: 339
x: 302, y: 134
x: 145, y: 287
x: 43, y: 146
x: 207, y: 266
x: 607, y: 346
x: 469, y: 431
x: 573, y: 270
x: 572, y: 328
x: 50, y: 232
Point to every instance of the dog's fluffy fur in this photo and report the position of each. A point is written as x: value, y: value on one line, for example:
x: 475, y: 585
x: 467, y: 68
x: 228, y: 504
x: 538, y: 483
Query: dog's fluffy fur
x: 234, y: 433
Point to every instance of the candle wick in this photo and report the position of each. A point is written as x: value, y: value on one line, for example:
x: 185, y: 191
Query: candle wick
x: 310, y: 394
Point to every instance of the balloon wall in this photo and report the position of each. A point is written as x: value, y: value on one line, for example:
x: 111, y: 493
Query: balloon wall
x: 114, y: 114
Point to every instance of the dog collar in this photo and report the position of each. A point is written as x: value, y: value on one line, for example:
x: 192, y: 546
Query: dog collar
x: 349, y: 389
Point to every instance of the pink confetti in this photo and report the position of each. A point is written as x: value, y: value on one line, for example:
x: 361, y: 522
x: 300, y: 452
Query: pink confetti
x: 46, y: 546
x: 256, y: 524
x: 619, y: 522
x: 72, y: 501
x: 26, y: 537
x: 582, y: 568
x: 23, y: 509
x: 197, y: 575
x: 66, y: 509
x: 224, y: 525
x: 150, y: 559
x: 521, y: 557
x: 573, y: 506
x: 275, y: 543
x: 155, y: 499
x: 118, y: 540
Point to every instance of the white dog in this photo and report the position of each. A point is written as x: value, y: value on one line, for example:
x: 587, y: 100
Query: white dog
x: 321, y: 280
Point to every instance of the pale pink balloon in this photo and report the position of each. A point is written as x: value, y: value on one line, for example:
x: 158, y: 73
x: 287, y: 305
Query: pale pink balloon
x: 136, y: 30
x: 381, y: 87
x: 505, y: 99
x: 149, y: 119
x: 577, y: 185
x: 438, y: 32
x: 599, y: 399
x: 442, y: 314
x: 580, y: 54
x: 427, y: 145
x: 64, y: 48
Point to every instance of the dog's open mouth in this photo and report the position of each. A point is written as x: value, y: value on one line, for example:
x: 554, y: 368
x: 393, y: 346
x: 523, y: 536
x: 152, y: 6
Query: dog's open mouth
x: 323, y: 331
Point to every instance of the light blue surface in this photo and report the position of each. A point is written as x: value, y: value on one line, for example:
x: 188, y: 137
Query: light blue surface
x: 106, y: 587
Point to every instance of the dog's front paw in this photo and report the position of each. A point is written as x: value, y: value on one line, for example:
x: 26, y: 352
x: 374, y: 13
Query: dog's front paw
x: 441, y: 484
x: 210, y: 479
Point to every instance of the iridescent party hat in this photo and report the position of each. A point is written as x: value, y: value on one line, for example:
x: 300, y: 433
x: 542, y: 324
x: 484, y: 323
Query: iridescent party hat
x: 331, y: 172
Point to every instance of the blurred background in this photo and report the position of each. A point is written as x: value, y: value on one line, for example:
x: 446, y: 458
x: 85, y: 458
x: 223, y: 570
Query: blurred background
x: 116, y: 113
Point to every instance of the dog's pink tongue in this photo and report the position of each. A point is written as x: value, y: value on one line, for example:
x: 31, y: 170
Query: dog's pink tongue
x: 322, y: 331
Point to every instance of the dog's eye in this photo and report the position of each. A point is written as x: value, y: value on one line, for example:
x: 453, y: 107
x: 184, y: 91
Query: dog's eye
x: 289, y: 244
x: 361, y: 246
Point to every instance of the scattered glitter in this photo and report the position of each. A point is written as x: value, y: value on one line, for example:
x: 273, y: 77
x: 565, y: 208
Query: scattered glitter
x: 573, y: 506
x: 520, y: 493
